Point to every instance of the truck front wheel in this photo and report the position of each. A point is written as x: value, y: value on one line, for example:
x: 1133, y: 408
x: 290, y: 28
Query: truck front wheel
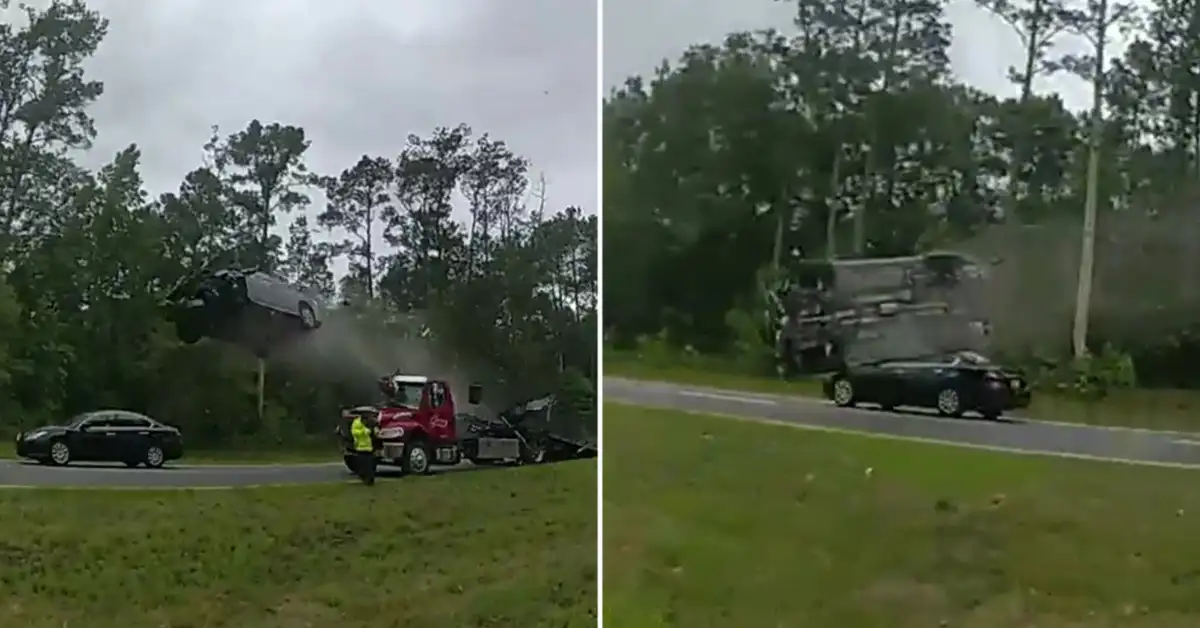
x: 416, y: 458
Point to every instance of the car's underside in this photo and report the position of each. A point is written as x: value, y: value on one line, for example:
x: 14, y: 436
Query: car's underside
x: 215, y: 306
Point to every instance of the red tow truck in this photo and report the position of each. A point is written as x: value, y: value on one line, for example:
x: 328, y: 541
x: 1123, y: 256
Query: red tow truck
x: 419, y: 427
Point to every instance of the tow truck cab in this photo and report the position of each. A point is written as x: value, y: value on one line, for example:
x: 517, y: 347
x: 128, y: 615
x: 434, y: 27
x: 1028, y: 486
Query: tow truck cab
x: 418, y: 426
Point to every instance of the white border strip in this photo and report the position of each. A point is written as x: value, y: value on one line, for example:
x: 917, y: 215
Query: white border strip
x: 600, y: 93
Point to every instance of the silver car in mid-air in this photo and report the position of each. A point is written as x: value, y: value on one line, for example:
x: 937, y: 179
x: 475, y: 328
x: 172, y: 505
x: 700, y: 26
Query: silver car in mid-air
x: 245, y: 306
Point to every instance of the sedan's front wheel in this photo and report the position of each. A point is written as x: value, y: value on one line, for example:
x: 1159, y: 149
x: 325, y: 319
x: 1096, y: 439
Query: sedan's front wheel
x: 60, y: 453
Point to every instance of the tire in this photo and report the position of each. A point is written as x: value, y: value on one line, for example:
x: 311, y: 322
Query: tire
x: 308, y: 316
x: 417, y: 460
x: 949, y: 403
x: 187, y: 334
x: 843, y: 393
x: 534, y: 452
x: 60, y: 453
x: 154, y: 457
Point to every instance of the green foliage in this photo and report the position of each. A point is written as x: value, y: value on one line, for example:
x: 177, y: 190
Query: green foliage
x: 86, y: 256
x: 577, y: 395
x: 1092, y: 377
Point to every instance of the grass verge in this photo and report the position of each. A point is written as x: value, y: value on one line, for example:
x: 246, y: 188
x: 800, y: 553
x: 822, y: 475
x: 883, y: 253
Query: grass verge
x: 716, y: 522
x: 1172, y: 410
x: 500, y: 548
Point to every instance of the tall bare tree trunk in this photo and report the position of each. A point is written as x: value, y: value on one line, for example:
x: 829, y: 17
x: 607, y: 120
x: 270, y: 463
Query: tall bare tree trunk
x: 1087, y: 253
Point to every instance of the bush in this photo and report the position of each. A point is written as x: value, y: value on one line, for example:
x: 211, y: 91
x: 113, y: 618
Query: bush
x: 1092, y: 377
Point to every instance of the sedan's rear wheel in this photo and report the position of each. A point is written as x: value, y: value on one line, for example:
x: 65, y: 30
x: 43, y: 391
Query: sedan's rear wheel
x: 843, y: 393
x: 949, y: 403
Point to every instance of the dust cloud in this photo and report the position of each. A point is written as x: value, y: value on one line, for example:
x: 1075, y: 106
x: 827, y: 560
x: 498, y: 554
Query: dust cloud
x: 1144, y: 279
x: 355, y: 350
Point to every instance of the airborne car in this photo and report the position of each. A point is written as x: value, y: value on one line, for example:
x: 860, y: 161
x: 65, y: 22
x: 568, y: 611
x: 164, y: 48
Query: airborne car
x: 244, y: 306
x: 827, y: 313
x: 953, y: 384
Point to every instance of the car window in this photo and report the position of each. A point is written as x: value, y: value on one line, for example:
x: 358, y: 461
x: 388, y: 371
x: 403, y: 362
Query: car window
x: 437, y: 394
x: 78, y: 419
x: 128, y: 419
x: 97, y: 420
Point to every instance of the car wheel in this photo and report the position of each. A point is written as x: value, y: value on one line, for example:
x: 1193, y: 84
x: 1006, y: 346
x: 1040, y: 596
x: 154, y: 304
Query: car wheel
x: 949, y: 403
x: 60, y: 453
x: 308, y: 317
x: 416, y: 458
x: 154, y: 457
x: 843, y: 393
x: 188, y: 334
x: 533, y: 452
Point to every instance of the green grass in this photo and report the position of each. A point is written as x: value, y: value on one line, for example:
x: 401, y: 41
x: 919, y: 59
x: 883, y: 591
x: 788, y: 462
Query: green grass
x: 511, y: 548
x: 716, y: 522
x: 1173, y: 410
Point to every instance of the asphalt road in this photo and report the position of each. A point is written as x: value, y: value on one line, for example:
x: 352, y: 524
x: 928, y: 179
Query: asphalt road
x: 1014, y: 434
x: 22, y: 473
x: 14, y: 473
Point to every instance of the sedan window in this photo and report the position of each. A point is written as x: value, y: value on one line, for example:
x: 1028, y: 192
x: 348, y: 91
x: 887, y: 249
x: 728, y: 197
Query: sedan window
x: 130, y: 420
x: 96, y: 421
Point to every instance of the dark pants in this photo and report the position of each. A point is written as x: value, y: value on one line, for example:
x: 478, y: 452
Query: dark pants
x: 364, y: 466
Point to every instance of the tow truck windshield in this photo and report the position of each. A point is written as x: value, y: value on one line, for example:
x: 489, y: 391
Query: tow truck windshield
x: 407, y: 393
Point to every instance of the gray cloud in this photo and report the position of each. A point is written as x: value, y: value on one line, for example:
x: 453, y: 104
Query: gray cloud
x: 358, y: 75
x: 638, y: 35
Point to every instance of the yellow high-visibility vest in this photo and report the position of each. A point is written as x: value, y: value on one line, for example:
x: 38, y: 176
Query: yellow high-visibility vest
x: 361, y: 435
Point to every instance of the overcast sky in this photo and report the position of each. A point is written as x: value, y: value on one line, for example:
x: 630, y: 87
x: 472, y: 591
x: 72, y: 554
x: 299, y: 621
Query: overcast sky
x: 638, y: 35
x: 358, y: 75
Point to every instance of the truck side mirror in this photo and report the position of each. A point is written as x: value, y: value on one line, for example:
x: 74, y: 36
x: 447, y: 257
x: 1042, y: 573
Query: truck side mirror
x: 474, y: 394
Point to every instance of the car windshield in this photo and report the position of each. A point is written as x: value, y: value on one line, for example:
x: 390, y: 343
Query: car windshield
x: 80, y: 418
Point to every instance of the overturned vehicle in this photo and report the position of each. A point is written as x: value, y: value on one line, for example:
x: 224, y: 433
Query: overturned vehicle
x: 827, y: 314
x: 248, y: 307
x: 419, y: 425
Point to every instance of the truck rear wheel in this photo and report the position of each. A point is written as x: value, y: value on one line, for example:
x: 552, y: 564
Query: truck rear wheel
x: 416, y: 460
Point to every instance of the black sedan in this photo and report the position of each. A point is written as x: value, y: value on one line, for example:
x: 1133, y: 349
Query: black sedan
x: 952, y: 384
x: 103, y: 436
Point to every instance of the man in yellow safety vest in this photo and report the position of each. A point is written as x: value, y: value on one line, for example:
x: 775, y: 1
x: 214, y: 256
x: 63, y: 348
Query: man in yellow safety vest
x: 363, y: 436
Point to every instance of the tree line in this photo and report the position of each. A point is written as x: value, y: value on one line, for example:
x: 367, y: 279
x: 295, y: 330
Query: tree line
x: 849, y: 135
x: 87, y: 257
